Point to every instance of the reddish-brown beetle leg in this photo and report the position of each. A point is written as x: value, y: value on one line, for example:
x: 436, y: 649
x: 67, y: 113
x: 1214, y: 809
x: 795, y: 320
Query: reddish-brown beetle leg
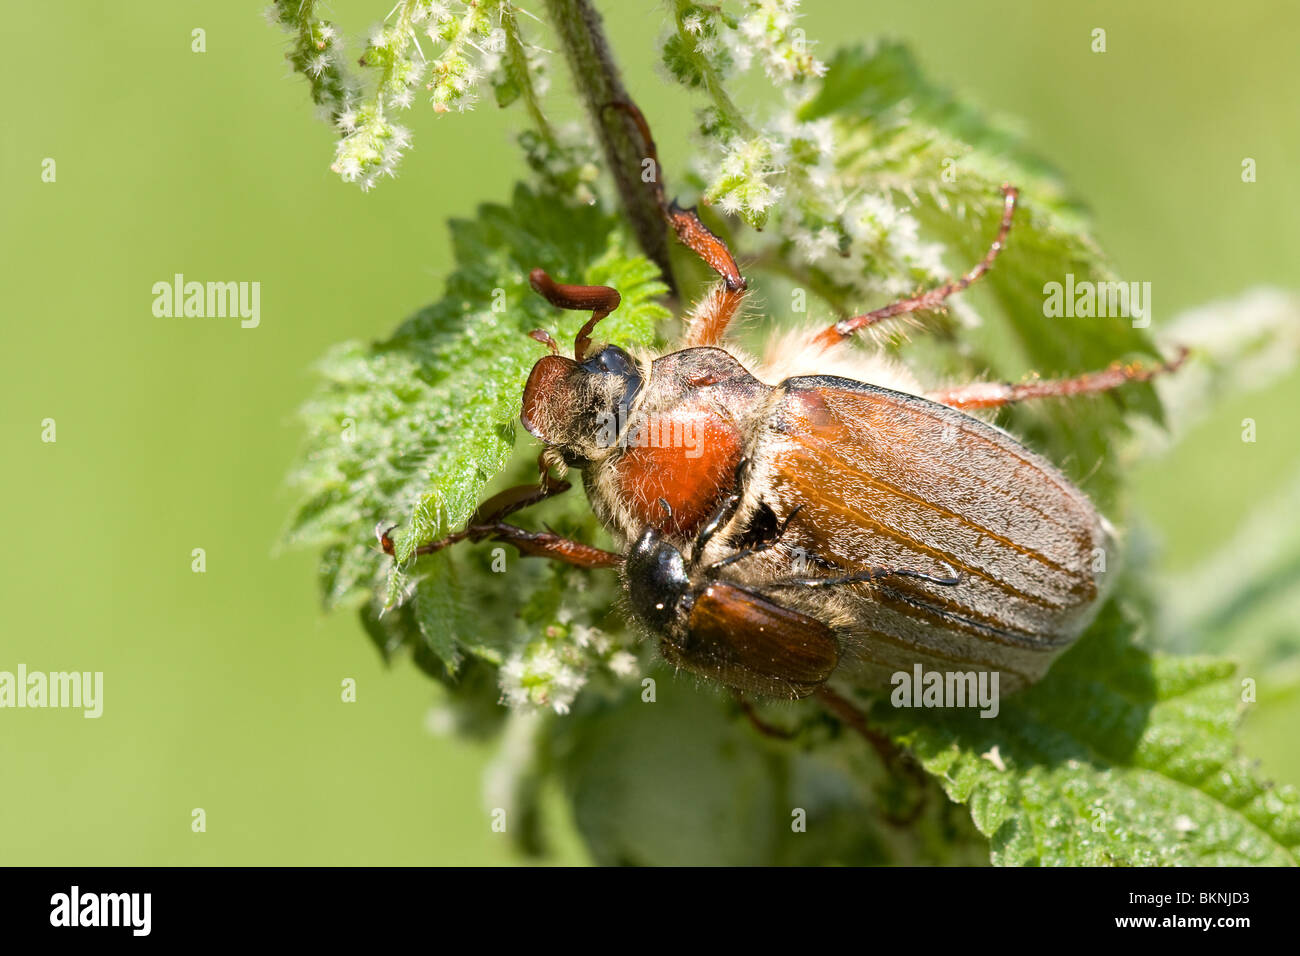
x: 600, y: 299
x: 857, y: 720
x: 548, y: 544
x: 933, y: 298
x: 531, y: 544
x: 711, y: 316
x: 997, y: 394
x: 507, y: 502
x: 489, y: 514
x: 386, y: 542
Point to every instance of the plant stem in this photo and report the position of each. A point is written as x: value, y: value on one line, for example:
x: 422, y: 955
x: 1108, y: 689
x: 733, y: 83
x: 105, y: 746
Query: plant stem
x: 596, y: 78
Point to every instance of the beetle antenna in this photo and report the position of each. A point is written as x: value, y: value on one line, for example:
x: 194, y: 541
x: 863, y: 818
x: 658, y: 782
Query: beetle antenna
x: 582, y: 342
x: 601, y: 299
x: 932, y: 298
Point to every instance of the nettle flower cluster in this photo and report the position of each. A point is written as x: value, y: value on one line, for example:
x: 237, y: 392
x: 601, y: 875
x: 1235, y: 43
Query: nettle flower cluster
x: 708, y: 46
x: 372, y: 142
x: 788, y: 172
x: 547, y: 672
x: 317, y: 53
x: 471, y: 44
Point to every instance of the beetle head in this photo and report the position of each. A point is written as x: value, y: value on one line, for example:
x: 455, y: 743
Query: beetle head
x: 580, y: 408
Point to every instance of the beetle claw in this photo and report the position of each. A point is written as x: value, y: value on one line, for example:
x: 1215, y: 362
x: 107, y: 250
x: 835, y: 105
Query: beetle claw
x: 382, y: 535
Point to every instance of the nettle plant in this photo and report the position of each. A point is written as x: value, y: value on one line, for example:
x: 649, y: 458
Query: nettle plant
x: 867, y: 183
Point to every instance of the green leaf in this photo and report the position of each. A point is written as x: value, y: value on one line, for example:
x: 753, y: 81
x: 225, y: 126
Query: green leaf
x: 445, y: 626
x: 408, y: 431
x: 1117, y: 757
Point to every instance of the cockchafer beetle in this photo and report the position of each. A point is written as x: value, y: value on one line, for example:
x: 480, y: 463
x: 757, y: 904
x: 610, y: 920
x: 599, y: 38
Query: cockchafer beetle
x: 815, y: 524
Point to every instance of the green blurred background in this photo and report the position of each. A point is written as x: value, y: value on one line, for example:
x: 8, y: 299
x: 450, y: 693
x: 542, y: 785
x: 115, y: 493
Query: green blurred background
x: 222, y: 690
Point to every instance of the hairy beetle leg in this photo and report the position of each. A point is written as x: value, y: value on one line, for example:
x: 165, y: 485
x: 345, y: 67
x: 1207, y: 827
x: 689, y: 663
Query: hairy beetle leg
x: 714, y: 313
x: 759, y: 548
x: 996, y: 394
x: 490, y: 514
x: 530, y: 544
x: 932, y: 298
x: 548, y: 544
x: 724, y: 512
x: 507, y: 502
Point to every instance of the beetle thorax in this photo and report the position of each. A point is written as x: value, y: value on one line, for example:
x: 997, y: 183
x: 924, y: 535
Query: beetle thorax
x: 680, y: 444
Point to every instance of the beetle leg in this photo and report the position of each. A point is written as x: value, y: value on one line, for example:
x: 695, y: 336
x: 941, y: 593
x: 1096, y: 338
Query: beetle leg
x: 932, y: 298
x: 490, y: 514
x: 759, y: 548
x: 712, y: 315
x: 600, y: 299
x: 997, y: 394
x: 709, y: 319
x: 517, y: 498
x: 548, y: 544
x: 530, y: 544
x: 849, y: 714
x: 724, y: 512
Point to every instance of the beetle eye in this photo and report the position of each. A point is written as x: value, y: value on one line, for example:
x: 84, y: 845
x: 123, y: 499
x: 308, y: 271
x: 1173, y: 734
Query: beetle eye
x: 612, y: 360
